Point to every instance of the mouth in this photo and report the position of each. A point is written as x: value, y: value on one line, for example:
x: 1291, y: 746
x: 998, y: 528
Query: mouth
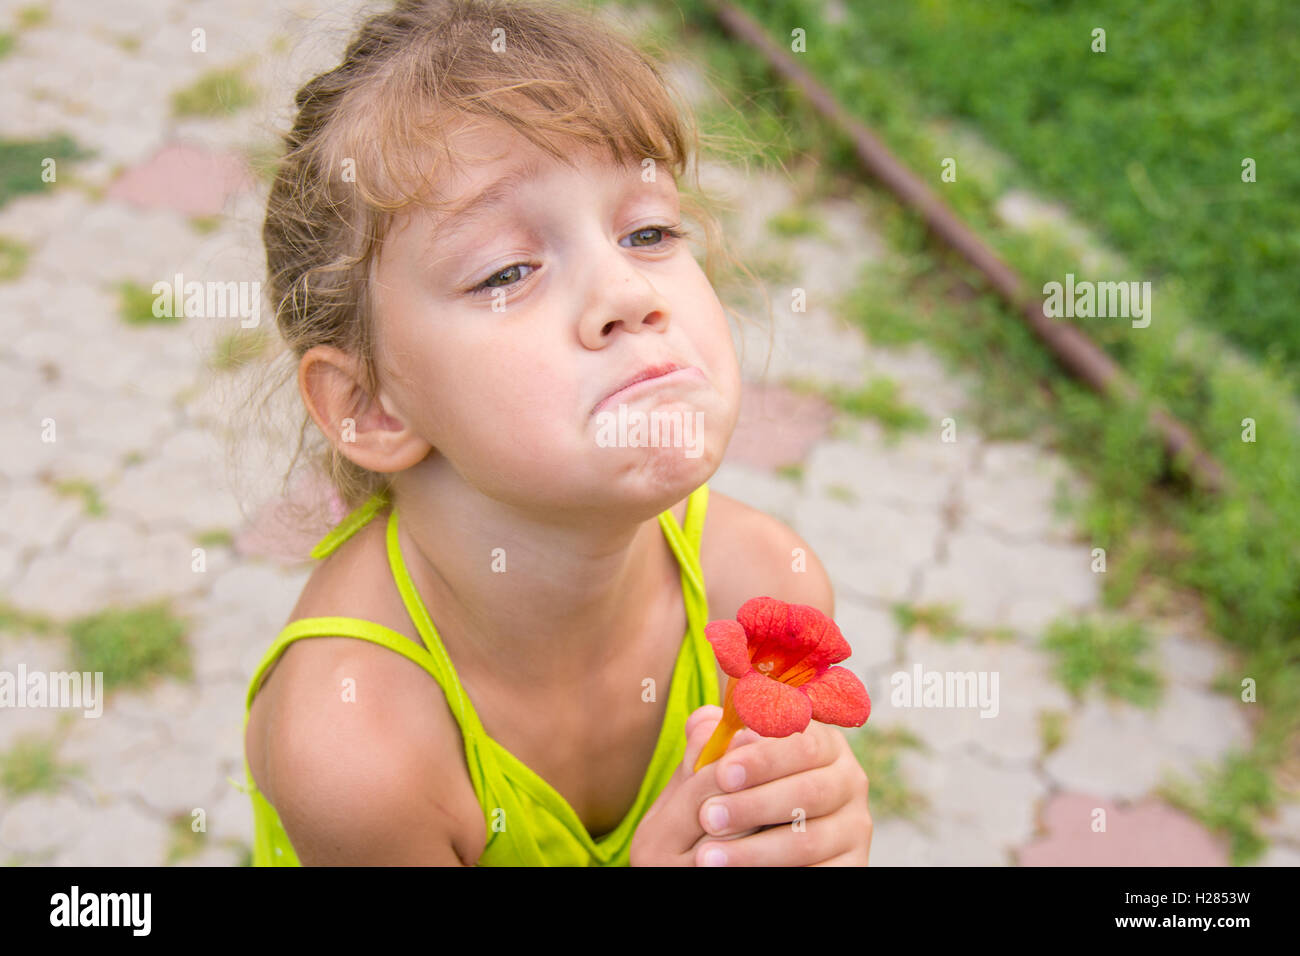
x: 653, y: 372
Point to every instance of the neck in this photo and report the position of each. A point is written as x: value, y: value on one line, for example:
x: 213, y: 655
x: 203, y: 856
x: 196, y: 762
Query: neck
x: 540, y: 598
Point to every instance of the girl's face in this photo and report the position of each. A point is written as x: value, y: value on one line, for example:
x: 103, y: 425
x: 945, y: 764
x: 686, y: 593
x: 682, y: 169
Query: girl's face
x: 499, y: 330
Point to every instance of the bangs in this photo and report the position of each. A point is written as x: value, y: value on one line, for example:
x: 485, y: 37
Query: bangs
x: 562, y: 97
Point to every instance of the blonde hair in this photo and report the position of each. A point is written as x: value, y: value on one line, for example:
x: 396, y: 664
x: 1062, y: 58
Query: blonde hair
x: 562, y: 77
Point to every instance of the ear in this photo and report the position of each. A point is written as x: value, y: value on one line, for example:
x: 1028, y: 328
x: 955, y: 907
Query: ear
x: 360, y: 426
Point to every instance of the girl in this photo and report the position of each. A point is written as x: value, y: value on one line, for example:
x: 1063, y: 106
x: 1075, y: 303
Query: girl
x: 524, y: 380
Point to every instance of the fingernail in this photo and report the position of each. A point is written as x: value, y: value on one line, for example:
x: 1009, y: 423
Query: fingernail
x: 733, y: 776
x: 715, y: 857
x: 718, y: 817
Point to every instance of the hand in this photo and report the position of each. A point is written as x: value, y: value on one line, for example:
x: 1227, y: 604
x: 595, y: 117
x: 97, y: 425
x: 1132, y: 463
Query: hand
x: 815, y: 771
x: 672, y: 829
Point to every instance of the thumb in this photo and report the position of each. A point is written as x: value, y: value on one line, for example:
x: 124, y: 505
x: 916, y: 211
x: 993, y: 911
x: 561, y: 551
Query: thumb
x: 699, y: 728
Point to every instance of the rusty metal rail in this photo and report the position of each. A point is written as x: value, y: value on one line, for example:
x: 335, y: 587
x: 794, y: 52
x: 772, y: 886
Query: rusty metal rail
x: 1074, y: 350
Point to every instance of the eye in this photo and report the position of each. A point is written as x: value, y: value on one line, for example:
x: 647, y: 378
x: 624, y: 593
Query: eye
x: 667, y: 236
x: 671, y: 234
x: 490, y: 283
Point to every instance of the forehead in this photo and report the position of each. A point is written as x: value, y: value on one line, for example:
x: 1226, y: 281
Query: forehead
x: 490, y: 166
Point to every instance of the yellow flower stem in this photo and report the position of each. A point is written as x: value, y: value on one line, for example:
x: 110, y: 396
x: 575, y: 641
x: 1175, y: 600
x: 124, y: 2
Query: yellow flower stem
x: 727, y: 728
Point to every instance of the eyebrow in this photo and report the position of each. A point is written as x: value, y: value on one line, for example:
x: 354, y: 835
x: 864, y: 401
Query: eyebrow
x: 465, y: 213
x: 492, y: 195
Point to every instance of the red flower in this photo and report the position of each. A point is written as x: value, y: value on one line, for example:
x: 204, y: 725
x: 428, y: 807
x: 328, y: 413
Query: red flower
x: 778, y: 657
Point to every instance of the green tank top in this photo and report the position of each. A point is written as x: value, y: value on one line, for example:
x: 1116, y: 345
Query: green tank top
x: 528, y: 823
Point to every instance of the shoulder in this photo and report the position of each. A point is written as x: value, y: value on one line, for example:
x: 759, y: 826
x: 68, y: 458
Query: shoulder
x: 349, y: 718
x: 337, y: 719
x: 746, y: 552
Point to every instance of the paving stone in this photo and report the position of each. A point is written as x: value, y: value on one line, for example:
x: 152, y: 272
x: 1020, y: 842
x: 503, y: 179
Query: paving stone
x: 117, y: 834
x: 40, y: 821
x: 33, y: 516
x: 917, y: 474
x: 1285, y: 825
x: 985, y: 576
x: 214, y: 727
x: 179, y: 176
x: 1018, y: 505
x: 97, y: 419
x: 162, y: 495
x: 993, y: 808
x: 177, y: 780
x: 1191, y: 661
x: 62, y: 585
x: 230, y: 816
x: 1120, y: 751
x: 25, y: 654
x: 868, y: 549
x: 1148, y: 834
x: 871, y: 633
x: 217, y: 855
x: 1024, y: 689
x: 777, y: 426
x: 1279, y: 855
x: 896, y: 842
x: 114, y: 749
x: 757, y: 488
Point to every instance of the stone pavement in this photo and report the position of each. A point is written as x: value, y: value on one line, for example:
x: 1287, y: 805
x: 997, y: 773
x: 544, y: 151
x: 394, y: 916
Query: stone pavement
x: 140, y: 412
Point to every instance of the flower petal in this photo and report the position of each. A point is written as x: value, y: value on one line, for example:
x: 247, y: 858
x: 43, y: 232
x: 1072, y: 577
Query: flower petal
x: 730, y: 647
x: 769, y: 707
x: 820, y: 635
x: 838, y: 697
x: 764, y: 618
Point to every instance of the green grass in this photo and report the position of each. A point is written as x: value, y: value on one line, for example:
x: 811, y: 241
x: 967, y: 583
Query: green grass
x: 792, y: 473
x: 214, y: 538
x: 1230, y: 802
x: 13, y: 259
x: 32, y: 16
x: 131, y: 646
x: 1147, y: 138
x: 1109, y: 654
x: 31, y: 765
x: 878, y: 751
x: 135, y: 305
x: 238, y: 348
x: 796, y: 222
x: 877, y: 401
x: 1239, y: 550
x: 1051, y: 728
x: 6, y: 44
x: 80, y: 488
x: 936, y: 620
x: 215, y: 93
x: 940, y: 621
x: 15, y: 619
x: 21, y: 162
x: 205, y: 225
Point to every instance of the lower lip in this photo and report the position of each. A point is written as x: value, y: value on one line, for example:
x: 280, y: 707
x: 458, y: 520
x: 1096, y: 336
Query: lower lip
x: 679, y: 375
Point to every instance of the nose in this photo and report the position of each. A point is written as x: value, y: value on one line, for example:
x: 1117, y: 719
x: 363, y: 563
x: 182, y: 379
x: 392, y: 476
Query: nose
x: 622, y: 296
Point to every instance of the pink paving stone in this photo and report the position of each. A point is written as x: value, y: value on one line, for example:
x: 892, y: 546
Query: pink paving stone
x: 186, y: 178
x: 1149, y: 833
x: 777, y: 426
x: 286, y: 529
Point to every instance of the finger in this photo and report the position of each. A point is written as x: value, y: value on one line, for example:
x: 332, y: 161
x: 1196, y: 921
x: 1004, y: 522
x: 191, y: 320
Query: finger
x: 798, y: 797
x: 817, y: 841
x: 706, y: 712
x: 770, y: 758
